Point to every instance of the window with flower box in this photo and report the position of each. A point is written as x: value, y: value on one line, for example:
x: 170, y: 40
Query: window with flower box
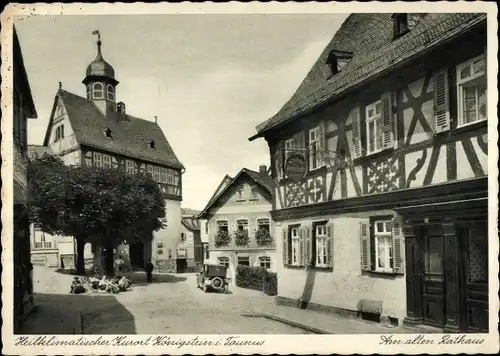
x: 242, y: 225
x: 222, y: 225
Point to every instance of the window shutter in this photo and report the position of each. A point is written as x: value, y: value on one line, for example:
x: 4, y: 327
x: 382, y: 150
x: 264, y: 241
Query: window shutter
x: 308, y: 252
x: 397, y: 246
x: 301, y: 247
x: 365, y: 246
x: 441, y: 101
x: 356, y: 132
x: 280, y: 154
x: 329, y: 244
x: 387, y: 119
x: 285, y: 247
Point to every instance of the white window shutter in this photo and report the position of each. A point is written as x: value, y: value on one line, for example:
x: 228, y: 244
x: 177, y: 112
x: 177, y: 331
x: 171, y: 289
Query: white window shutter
x: 387, y: 119
x: 329, y: 244
x: 441, y: 101
x: 356, y: 132
x: 286, y: 257
x: 365, y: 246
x: 308, y: 252
x: 398, y: 246
x: 301, y: 247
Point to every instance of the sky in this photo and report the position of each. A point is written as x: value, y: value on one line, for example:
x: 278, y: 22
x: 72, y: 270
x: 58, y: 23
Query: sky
x: 210, y: 79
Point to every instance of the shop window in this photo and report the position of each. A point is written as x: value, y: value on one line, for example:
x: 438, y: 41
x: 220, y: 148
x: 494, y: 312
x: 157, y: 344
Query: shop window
x: 471, y: 90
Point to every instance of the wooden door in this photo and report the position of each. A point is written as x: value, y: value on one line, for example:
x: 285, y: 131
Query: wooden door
x: 475, y: 254
x: 433, y: 277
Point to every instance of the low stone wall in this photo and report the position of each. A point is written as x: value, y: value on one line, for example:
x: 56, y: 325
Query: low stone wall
x: 166, y: 266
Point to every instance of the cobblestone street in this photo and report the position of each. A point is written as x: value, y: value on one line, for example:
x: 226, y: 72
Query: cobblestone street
x: 171, y: 305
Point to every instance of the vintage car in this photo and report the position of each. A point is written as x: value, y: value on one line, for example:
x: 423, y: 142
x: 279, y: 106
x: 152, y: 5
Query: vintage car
x: 212, y: 277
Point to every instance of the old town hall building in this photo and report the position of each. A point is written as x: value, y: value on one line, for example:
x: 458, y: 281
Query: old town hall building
x: 381, y: 159
x: 97, y: 130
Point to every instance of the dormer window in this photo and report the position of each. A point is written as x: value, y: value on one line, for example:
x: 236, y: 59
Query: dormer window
x: 400, y: 24
x: 152, y: 145
x: 107, y: 132
x: 98, y: 91
x: 111, y: 92
x: 337, y: 60
x: 121, y: 107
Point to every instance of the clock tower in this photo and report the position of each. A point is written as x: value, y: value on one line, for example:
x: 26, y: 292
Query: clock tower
x: 100, y: 81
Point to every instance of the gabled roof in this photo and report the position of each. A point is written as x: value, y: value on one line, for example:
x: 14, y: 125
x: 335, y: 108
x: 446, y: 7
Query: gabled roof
x: 130, y: 135
x: 191, y: 223
x: 262, y: 179
x: 21, y: 76
x: 224, y: 182
x: 370, y: 38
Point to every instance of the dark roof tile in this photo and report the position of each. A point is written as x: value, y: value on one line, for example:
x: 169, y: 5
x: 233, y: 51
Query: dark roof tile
x: 130, y: 136
x: 370, y: 38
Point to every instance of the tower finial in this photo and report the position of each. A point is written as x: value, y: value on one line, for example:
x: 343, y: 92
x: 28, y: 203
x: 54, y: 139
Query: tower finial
x: 60, y: 85
x: 156, y: 119
x: 99, y: 43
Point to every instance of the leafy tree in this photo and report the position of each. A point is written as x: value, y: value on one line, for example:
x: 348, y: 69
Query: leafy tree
x: 104, y: 206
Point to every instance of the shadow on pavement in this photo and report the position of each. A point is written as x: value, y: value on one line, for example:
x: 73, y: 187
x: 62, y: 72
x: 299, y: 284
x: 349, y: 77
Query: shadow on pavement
x: 77, y: 314
x: 139, y: 278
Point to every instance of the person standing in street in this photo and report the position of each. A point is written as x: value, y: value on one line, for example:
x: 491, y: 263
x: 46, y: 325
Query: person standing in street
x: 149, y: 271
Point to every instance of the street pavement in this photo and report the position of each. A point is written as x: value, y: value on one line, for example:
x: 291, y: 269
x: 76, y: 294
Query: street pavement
x: 172, y: 304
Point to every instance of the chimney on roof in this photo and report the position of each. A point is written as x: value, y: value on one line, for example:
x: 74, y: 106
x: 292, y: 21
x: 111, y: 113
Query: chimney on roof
x: 263, y: 169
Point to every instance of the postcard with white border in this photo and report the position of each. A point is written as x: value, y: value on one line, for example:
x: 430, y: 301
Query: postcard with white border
x: 215, y: 178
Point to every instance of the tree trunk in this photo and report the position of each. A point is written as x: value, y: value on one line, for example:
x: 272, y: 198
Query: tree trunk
x: 98, y: 257
x: 80, y: 261
x: 109, y: 260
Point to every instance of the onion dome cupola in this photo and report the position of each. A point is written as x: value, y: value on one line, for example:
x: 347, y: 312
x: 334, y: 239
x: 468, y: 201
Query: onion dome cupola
x: 100, y: 81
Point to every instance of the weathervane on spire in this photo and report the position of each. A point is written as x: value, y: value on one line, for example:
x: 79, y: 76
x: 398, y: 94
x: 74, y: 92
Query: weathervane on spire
x: 96, y: 32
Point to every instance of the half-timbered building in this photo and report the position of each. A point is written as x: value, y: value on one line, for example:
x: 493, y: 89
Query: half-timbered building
x: 381, y: 162
x: 96, y: 130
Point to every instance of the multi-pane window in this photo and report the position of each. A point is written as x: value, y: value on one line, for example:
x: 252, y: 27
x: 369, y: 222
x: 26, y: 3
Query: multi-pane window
x: 321, y: 246
x: 243, y: 261
x: 240, y: 193
x: 97, y: 159
x: 253, y: 193
x: 157, y: 174
x: 98, y: 91
x: 242, y: 225
x: 263, y: 224
x: 150, y: 170
x: 289, y: 146
x: 295, y: 245
x: 224, y: 261
x: 59, y: 133
x: 183, y: 237
x: 265, y: 262
x: 315, y: 148
x: 106, y: 161
x: 163, y: 175
x: 471, y: 89
x: 130, y: 167
x: 383, y: 246
x: 170, y: 176
x: 374, y: 127
x: 222, y: 225
x: 111, y: 92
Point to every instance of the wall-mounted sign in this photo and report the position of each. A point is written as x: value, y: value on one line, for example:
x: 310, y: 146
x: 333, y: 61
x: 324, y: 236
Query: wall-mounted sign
x: 296, y: 166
